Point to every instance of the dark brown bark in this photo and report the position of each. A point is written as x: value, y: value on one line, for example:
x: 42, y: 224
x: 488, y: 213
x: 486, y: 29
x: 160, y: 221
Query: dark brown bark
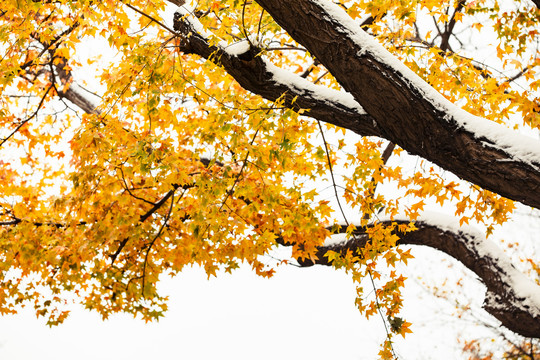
x: 404, y: 114
x: 449, y: 27
x: 501, y: 299
x: 251, y: 72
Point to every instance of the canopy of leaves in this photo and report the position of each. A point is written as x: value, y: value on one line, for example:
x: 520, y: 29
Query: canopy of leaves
x: 175, y: 163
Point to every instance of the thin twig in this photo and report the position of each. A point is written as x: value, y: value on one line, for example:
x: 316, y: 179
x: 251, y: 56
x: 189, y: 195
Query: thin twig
x: 42, y: 101
x: 154, y: 240
x: 149, y: 17
x: 347, y: 223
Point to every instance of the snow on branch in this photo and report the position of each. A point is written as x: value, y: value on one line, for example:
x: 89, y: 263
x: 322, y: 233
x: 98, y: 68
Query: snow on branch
x: 511, y: 297
x: 518, y: 146
x: 407, y: 110
x: 259, y: 76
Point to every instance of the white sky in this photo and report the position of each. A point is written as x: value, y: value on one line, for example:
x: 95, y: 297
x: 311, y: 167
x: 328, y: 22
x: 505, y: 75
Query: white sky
x: 233, y: 317
x: 300, y: 313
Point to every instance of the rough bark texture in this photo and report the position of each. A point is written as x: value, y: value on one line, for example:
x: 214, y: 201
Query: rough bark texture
x: 508, y: 307
x: 406, y: 117
x: 251, y: 72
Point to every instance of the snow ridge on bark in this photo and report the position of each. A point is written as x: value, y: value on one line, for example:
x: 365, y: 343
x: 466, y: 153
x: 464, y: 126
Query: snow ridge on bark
x: 511, y: 296
x: 520, y: 147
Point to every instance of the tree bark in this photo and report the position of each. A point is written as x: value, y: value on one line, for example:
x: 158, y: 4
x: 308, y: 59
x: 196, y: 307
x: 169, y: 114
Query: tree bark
x: 505, y: 300
x: 400, y: 107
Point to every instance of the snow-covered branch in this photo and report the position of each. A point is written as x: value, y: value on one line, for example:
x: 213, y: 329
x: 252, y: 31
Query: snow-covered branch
x: 71, y: 91
x: 77, y: 96
x: 407, y: 110
x: 511, y: 297
x: 255, y: 74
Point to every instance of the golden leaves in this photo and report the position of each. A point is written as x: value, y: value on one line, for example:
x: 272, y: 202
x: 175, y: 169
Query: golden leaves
x: 180, y: 165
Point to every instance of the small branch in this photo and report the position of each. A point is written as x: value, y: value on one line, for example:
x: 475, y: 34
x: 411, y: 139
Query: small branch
x: 385, y: 156
x: 449, y: 28
x: 517, y: 76
x: 329, y: 162
x: 41, y: 102
x: 142, y: 218
x: 154, y: 240
x: 126, y: 187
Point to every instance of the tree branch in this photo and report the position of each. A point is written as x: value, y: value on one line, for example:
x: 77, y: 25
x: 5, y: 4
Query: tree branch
x: 407, y: 110
x: 255, y: 74
x: 511, y: 297
x: 449, y: 28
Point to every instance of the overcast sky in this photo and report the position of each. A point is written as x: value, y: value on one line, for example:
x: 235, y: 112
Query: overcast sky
x: 300, y: 313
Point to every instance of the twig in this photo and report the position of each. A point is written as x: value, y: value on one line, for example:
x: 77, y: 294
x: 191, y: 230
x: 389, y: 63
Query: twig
x: 149, y: 17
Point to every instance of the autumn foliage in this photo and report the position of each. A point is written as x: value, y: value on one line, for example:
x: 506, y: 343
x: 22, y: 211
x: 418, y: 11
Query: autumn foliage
x: 127, y: 154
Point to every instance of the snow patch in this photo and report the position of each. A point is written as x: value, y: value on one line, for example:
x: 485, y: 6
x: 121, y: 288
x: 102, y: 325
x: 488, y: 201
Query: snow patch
x: 336, y: 239
x: 187, y: 13
x: 93, y: 100
x: 319, y: 92
x: 235, y: 49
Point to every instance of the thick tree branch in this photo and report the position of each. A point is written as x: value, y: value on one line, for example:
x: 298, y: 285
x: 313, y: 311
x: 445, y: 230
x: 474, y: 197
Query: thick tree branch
x: 253, y: 73
x: 75, y: 95
x: 511, y: 297
x: 409, y: 112
x: 72, y: 91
